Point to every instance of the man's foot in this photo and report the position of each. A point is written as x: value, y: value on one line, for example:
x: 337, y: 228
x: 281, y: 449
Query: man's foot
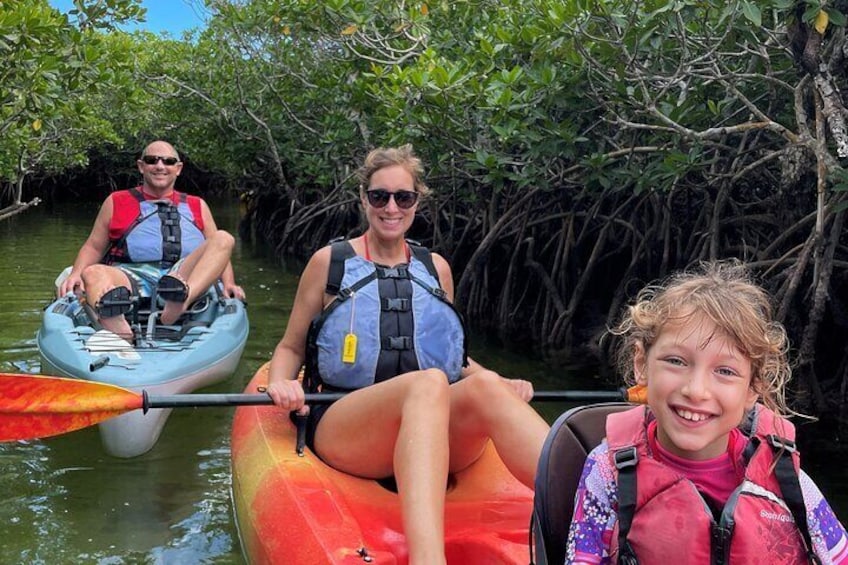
x: 174, y: 291
x: 171, y: 312
x: 118, y: 325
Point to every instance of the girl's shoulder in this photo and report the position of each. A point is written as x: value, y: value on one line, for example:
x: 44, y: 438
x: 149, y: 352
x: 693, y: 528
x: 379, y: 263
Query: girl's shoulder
x: 599, y: 470
x: 601, y: 451
x: 828, y: 534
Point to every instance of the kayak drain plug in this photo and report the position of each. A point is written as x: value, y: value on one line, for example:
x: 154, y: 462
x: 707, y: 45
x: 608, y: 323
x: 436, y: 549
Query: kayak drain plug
x: 363, y: 553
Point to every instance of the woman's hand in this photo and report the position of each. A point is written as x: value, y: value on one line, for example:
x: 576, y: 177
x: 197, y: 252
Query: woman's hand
x: 288, y: 395
x: 522, y: 388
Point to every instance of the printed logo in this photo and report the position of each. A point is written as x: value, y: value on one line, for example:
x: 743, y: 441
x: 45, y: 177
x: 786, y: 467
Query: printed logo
x: 775, y: 516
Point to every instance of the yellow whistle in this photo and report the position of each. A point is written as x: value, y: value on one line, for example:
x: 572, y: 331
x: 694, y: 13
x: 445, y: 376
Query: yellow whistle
x: 349, y: 349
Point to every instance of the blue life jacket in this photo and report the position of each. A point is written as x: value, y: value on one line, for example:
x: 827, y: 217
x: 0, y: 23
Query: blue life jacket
x: 400, y: 316
x: 162, y: 231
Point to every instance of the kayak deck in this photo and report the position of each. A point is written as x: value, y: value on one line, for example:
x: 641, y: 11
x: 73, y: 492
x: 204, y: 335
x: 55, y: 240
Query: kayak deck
x: 292, y: 509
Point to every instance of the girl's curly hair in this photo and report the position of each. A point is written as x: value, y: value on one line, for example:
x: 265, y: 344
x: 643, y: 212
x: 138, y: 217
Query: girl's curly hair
x: 724, y: 293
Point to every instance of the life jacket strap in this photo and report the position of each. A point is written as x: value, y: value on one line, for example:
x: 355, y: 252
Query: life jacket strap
x: 340, y: 251
x: 423, y: 254
x: 790, y: 488
x: 169, y: 216
x: 625, y: 461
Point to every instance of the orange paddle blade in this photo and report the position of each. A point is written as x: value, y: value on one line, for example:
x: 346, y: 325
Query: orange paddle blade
x: 637, y: 394
x: 34, y: 406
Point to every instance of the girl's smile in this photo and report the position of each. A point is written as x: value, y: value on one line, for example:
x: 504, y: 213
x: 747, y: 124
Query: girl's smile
x: 698, y: 386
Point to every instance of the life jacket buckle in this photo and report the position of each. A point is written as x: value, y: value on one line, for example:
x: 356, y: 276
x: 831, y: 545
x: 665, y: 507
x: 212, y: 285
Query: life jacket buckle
x: 397, y: 343
x: 625, y: 458
x: 399, y: 272
x: 395, y: 305
x: 782, y: 443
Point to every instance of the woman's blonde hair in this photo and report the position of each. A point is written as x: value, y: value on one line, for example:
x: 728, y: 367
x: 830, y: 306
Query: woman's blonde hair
x: 722, y: 292
x: 383, y: 157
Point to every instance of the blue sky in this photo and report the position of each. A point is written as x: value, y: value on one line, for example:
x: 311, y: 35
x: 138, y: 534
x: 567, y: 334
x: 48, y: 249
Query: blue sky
x: 172, y: 16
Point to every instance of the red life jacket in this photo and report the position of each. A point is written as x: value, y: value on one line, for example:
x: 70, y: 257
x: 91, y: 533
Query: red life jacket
x: 662, y: 518
x: 165, y: 229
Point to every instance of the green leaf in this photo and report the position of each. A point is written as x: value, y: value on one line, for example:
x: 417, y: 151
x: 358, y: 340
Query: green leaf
x: 752, y: 13
x: 837, y: 18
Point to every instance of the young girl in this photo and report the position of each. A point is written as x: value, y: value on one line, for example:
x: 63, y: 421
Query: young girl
x: 707, y: 472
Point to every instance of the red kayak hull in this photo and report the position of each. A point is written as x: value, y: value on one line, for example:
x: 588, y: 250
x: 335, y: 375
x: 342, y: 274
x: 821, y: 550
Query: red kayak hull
x: 292, y: 509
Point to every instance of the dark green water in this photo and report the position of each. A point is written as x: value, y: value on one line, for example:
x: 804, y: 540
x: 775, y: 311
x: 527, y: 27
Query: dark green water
x: 62, y: 500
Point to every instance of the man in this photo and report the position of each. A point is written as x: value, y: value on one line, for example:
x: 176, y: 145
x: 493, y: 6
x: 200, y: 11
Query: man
x: 152, y: 239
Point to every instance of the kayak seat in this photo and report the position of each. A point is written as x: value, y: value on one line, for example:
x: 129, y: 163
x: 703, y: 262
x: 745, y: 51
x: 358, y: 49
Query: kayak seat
x: 574, y: 434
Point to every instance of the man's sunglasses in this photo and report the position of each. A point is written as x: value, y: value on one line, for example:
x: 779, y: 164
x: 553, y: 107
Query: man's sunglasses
x: 379, y: 198
x: 153, y: 159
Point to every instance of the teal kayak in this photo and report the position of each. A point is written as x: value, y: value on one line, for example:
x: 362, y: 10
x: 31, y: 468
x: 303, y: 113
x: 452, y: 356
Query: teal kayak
x: 202, y: 348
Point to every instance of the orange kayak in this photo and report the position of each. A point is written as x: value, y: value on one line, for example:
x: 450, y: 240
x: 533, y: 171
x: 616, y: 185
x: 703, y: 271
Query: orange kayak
x: 292, y: 509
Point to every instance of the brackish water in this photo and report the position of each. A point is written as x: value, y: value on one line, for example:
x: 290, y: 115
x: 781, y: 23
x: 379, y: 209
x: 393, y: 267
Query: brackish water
x: 63, y: 500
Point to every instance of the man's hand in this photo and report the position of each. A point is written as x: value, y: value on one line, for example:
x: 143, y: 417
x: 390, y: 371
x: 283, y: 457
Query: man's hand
x: 234, y: 291
x: 72, y: 282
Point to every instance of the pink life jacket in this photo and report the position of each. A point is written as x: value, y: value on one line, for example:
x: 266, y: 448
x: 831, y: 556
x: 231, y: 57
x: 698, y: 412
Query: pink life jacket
x: 662, y: 518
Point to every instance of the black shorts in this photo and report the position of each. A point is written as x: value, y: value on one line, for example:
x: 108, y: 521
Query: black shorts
x: 316, y: 412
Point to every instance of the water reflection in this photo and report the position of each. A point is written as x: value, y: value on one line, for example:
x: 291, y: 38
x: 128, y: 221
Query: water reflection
x: 73, y: 503
x: 64, y: 499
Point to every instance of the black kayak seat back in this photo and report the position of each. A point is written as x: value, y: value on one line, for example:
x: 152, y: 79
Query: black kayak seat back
x: 573, y: 435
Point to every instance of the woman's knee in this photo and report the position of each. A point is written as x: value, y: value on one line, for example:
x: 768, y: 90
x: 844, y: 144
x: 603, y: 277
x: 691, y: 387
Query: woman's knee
x: 429, y: 385
x: 481, y: 391
x: 485, y: 381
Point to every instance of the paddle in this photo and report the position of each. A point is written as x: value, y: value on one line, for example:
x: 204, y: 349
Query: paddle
x: 35, y: 406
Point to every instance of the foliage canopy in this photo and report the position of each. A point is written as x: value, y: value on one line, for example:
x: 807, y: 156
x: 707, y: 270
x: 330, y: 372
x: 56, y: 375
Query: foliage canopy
x: 574, y: 147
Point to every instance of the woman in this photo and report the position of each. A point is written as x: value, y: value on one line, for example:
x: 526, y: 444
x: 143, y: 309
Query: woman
x: 419, y: 424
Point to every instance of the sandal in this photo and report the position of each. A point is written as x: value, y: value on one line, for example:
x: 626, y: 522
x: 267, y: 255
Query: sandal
x: 172, y: 288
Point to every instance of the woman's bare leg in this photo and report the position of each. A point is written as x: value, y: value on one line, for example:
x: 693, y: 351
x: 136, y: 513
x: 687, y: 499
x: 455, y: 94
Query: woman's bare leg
x: 484, y: 406
x: 398, y: 427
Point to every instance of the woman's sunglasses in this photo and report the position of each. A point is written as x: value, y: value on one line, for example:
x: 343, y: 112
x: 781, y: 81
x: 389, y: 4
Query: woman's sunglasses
x: 379, y: 198
x: 153, y: 159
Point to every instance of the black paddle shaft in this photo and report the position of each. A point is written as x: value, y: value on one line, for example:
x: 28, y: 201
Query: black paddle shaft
x: 234, y: 399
